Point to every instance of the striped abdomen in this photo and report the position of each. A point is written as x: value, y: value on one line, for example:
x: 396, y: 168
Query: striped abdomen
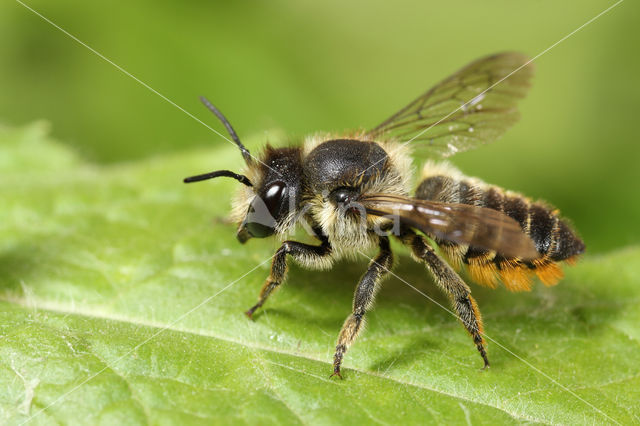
x: 552, y: 236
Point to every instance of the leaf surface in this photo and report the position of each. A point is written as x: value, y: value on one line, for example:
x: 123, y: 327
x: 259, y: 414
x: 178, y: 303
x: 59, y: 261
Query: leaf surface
x: 121, y: 300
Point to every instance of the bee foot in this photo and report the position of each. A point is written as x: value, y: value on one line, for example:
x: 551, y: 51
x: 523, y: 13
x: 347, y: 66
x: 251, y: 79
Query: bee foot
x: 250, y: 312
x: 336, y: 373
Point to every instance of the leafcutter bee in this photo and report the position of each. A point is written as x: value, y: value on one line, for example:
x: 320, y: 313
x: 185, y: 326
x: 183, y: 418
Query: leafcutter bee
x: 354, y: 192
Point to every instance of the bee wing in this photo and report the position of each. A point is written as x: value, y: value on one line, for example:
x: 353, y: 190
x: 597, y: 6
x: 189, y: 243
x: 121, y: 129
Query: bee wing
x: 475, y: 105
x: 460, y: 223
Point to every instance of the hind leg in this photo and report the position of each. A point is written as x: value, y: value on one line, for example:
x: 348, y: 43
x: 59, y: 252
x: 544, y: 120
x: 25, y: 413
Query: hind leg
x: 459, y: 293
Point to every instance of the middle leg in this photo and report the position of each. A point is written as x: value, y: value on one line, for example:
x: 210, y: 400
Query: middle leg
x: 362, y: 301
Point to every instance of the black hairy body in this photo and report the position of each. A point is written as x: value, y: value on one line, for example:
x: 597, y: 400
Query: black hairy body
x: 352, y: 193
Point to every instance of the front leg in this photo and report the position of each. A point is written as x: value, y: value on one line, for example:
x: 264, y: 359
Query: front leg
x: 303, y: 253
x: 362, y: 301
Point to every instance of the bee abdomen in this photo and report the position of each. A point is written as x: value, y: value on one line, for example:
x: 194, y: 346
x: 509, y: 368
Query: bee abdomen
x: 553, y: 237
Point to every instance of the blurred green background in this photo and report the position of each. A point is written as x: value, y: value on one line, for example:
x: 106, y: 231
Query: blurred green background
x: 300, y: 67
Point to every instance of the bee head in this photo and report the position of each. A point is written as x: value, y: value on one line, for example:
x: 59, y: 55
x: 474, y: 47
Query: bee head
x: 272, y: 202
x: 268, y: 202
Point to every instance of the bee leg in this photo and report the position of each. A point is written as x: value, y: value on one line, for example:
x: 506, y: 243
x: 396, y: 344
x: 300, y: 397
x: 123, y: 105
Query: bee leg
x: 303, y: 253
x: 459, y: 293
x: 362, y: 301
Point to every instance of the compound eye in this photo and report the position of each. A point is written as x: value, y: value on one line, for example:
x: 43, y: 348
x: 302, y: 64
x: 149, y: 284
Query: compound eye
x: 260, y: 221
x: 274, y: 195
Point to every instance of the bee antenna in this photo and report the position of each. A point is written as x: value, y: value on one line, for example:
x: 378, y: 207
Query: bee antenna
x: 219, y: 173
x: 245, y: 152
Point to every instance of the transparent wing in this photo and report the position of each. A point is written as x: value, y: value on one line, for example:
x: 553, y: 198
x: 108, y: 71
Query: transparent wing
x: 475, y: 105
x: 461, y: 223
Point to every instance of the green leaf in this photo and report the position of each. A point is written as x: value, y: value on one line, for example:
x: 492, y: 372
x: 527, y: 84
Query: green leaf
x: 101, y: 268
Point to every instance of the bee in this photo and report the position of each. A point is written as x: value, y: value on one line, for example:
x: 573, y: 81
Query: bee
x: 352, y: 192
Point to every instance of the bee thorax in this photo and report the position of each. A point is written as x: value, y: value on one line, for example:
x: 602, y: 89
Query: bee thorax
x: 345, y: 162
